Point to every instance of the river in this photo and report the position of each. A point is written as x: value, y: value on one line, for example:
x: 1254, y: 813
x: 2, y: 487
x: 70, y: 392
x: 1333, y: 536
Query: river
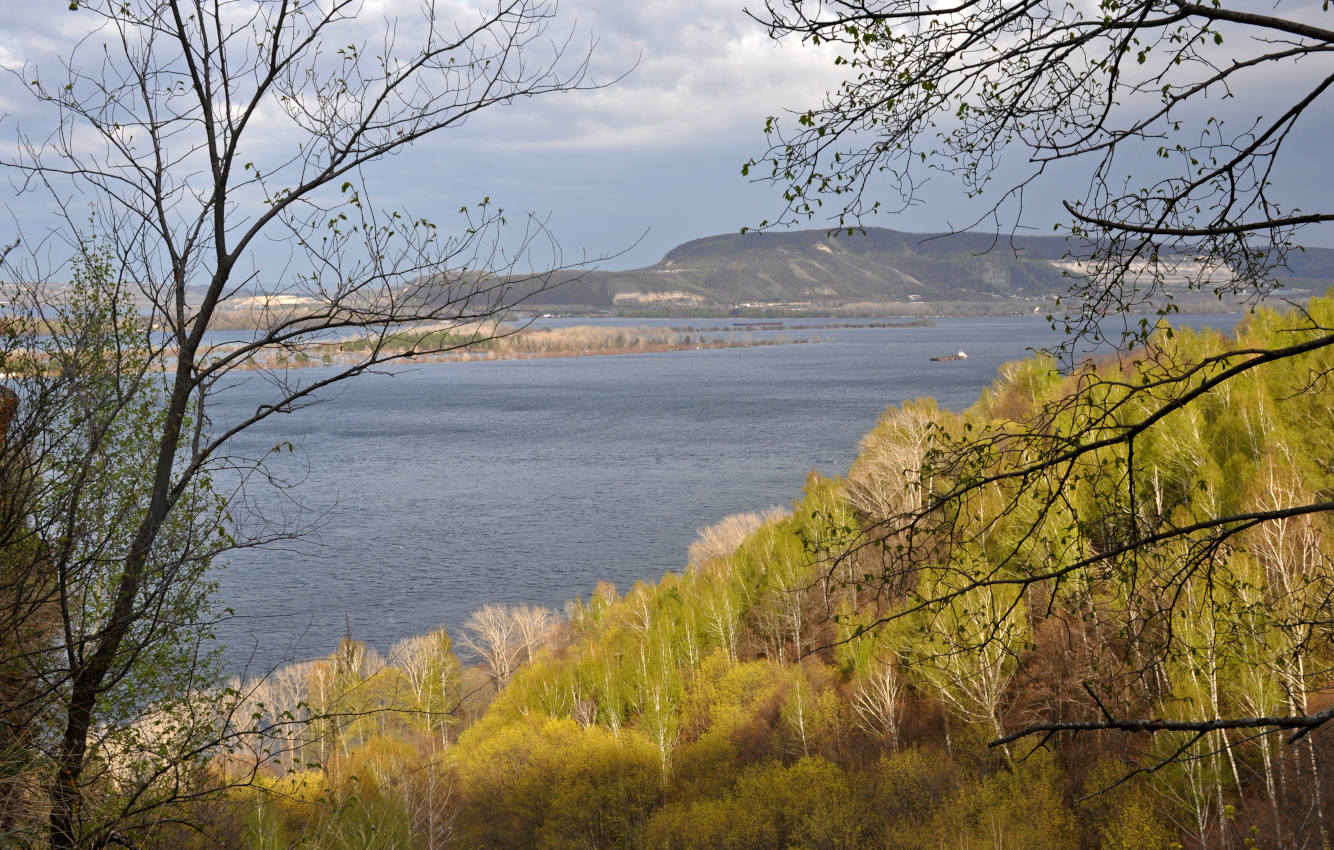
x: 445, y: 486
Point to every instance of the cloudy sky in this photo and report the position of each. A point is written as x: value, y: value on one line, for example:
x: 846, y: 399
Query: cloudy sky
x: 627, y: 171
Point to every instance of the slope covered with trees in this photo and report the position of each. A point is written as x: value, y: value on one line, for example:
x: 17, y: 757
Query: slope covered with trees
x: 780, y: 692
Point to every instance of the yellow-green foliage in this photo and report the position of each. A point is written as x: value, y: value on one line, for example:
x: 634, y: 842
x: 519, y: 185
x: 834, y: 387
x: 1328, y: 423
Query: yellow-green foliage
x: 1020, y: 807
x: 1024, y: 386
x: 544, y: 782
x: 1124, y: 816
x: 278, y: 807
x: 808, y: 804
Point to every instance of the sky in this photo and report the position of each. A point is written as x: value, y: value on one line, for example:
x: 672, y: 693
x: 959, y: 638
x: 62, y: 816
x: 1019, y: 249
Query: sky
x: 622, y: 173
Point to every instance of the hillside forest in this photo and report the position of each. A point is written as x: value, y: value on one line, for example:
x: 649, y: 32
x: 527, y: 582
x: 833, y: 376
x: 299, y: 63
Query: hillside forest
x: 784, y: 690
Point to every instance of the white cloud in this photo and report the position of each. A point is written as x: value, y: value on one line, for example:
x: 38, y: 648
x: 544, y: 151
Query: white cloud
x: 696, y: 71
x: 703, y: 73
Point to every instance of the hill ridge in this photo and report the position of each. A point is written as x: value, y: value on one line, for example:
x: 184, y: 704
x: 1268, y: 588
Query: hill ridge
x: 871, y: 271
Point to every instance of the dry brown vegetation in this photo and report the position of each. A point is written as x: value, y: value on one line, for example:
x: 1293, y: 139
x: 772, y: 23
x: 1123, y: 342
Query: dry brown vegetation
x: 493, y: 341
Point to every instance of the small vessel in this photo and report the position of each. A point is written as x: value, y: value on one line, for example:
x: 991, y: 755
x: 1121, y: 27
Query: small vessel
x: 962, y: 355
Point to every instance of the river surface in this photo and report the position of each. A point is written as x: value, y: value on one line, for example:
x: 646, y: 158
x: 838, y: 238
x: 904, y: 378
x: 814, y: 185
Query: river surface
x: 445, y: 486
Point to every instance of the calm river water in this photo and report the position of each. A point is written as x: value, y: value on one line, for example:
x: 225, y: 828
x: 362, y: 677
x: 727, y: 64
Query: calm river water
x: 450, y: 485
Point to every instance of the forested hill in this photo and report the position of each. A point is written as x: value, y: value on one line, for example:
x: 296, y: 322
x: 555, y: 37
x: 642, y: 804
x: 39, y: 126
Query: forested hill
x: 875, y: 271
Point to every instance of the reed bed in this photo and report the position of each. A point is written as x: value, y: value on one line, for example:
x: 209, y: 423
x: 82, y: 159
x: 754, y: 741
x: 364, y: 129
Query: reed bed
x: 493, y: 341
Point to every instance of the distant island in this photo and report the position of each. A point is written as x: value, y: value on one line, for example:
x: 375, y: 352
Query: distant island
x: 491, y: 341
